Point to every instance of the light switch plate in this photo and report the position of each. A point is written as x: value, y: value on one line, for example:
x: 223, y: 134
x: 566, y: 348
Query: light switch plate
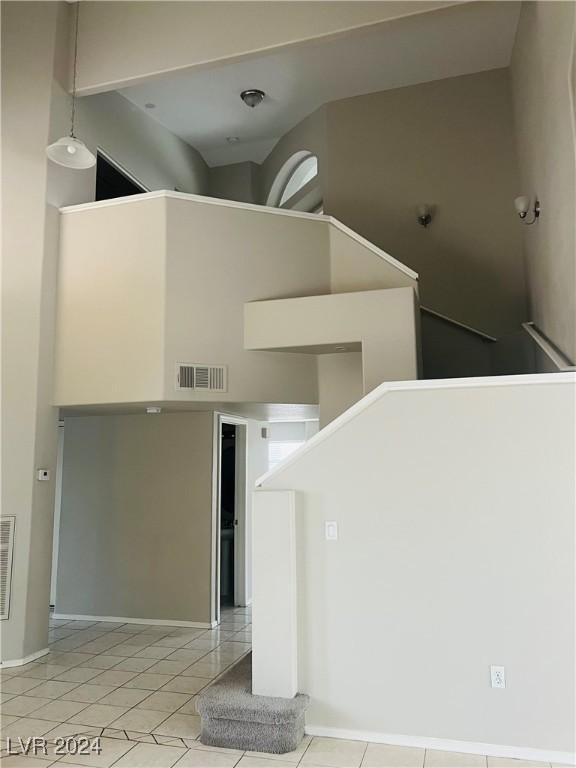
x: 43, y: 474
x: 331, y: 527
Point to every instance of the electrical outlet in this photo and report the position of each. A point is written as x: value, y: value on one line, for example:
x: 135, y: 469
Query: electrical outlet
x: 498, y: 677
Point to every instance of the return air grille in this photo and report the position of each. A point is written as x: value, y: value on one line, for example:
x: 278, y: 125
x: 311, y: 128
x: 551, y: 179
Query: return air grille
x: 6, y: 552
x: 210, y: 378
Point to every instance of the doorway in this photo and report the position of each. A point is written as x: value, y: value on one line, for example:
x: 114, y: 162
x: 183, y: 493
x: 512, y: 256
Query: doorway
x: 230, y: 568
x: 228, y: 520
x: 113, y: 181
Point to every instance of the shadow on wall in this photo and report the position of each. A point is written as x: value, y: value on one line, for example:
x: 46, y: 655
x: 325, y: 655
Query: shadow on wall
x: 481, y: 292
x: 449, y: 351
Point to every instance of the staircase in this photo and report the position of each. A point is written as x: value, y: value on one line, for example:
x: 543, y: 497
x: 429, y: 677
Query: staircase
x: 233, y: 717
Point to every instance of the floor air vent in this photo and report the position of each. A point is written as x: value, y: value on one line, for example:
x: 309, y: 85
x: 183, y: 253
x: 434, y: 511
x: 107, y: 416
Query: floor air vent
x: 6, y: 551
x: 211, y: 378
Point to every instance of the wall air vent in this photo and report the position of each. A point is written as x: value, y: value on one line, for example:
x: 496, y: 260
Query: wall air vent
x: 208, y: 378
x: 6, y: 552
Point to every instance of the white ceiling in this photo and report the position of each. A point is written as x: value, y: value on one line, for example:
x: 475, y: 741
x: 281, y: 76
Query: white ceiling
x: 203, y: 106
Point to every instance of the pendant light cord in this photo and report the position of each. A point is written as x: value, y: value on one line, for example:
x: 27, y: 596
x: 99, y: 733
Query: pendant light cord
x: 75, y: 69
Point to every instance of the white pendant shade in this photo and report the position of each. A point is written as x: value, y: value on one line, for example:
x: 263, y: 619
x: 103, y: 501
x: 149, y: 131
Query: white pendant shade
x: 71, y: 153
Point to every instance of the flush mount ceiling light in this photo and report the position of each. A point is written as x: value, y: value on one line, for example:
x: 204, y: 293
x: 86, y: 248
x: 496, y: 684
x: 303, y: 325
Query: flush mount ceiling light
x: 523, y: 205
x: 70, y: 151
x: 232, y: 139
x: 252, y: 97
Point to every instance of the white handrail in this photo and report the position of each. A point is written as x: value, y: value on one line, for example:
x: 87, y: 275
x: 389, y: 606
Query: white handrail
x: 558, y: 358
x: 388, y: 387
x: 465, y: 327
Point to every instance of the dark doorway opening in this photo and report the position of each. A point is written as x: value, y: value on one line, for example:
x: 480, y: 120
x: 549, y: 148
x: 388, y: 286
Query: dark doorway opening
x: 111, y: 182
x: 227, y: 513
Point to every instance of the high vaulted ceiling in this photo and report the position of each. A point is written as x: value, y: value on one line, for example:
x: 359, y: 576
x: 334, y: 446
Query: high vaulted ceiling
x: 204, y: 108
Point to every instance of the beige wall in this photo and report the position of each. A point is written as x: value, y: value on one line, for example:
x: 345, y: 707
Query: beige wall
x: 382, y: 322
x: 238, y: 181
x: 543, y: 81
x: 112, y: 258
x: 33, y: 38
x: 308, y: 135
x: 340, y: 384
x: 449, y: 143
x: 455, y: 552
x: 219, y: 258
x: 136, y: 519
x: 144, y: 39
x: 173, y: 274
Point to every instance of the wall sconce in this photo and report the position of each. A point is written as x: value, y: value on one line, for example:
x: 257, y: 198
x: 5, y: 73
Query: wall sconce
x: 424, y: 214
x: 523, y: 205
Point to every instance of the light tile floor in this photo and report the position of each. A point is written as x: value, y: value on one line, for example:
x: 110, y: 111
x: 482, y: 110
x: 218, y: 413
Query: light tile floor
x: 135, y: 686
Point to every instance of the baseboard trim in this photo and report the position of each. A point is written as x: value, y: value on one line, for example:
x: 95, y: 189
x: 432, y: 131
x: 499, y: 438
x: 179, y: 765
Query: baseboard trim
x: 130, y: 620
x: 446, y: 745
x: 25, y: 660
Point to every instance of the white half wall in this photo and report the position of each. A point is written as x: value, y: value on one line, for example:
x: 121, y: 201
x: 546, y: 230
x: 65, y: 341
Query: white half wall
x: 155, y: 280
x: 455, y: 509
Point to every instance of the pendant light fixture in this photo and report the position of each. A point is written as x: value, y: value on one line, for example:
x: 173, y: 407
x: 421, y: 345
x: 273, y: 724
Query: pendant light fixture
x: 70, y: 151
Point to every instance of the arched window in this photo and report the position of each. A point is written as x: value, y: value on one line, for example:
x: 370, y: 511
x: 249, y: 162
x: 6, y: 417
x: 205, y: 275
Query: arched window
x: 296, y: 173
x: 301, y: 175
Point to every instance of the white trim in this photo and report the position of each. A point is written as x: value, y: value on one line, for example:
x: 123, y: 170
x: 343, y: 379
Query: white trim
x: 57, y: 513
x: 25, y: 660
x: 458, y: 323
x: 387, y: 387
x: 204, y: 199
x: 446, y: 745
x: 558, y: 358
x: 319, y: 217
x: 220, y: 418
x: 215, y: 523
x: 131, y: 620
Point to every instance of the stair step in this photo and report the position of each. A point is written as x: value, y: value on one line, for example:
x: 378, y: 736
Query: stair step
x: 232, y: 716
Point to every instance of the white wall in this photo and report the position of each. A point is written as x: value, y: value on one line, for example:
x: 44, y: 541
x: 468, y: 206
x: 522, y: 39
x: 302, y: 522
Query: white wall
x: 256, y: 466
x: 544, y: 85
x: 455, y: 552
x: 140, y: 144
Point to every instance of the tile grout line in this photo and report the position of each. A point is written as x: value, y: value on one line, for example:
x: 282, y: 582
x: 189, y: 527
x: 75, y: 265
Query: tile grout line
x: 77, y: 648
